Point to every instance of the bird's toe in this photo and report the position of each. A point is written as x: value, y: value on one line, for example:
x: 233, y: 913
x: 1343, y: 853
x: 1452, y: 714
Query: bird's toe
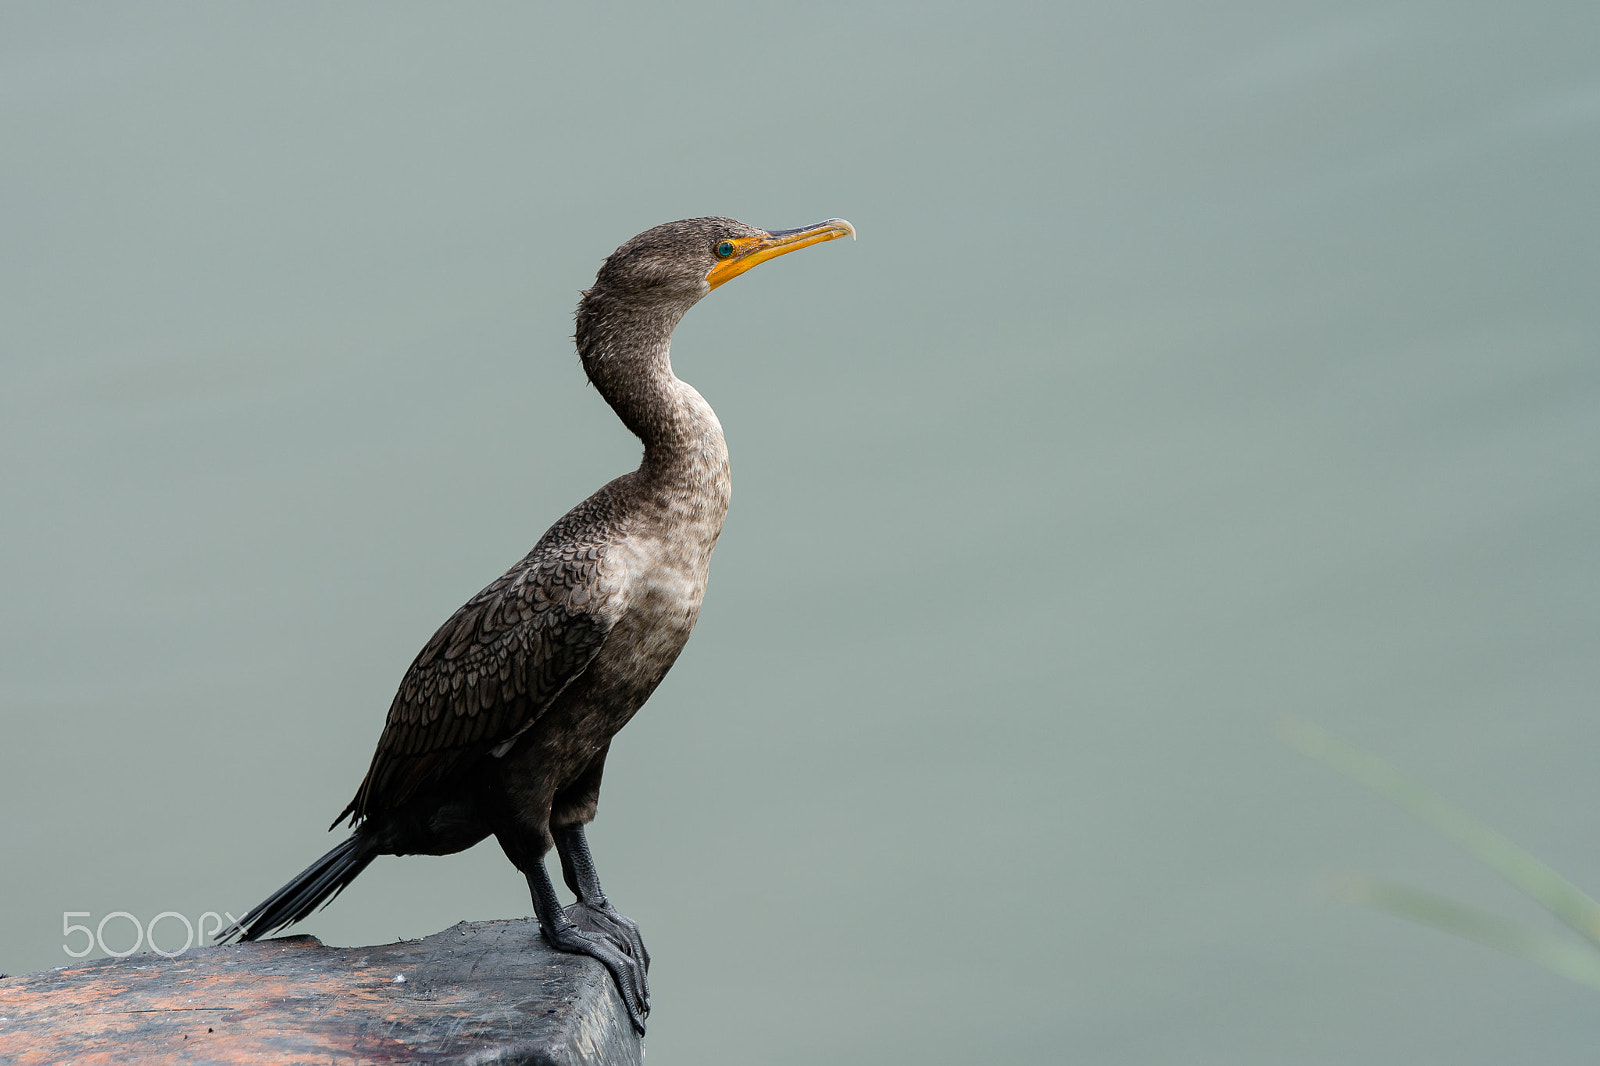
x: 626, y: 970
x: 623, y: 932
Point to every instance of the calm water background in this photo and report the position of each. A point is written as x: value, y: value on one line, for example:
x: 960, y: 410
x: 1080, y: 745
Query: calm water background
x: 1196, y: 365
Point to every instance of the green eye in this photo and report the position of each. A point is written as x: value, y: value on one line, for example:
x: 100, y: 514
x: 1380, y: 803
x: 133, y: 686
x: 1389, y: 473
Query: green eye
x: 724, y: 249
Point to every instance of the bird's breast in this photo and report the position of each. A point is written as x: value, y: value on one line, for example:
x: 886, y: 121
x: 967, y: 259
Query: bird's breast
x: 665, y: 584
x: 657, y: 569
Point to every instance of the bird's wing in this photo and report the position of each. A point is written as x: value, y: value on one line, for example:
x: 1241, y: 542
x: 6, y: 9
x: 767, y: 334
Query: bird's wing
x: 488, y: 673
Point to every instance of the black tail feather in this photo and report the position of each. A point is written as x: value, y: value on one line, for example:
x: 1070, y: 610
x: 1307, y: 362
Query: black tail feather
x: 318, y: 884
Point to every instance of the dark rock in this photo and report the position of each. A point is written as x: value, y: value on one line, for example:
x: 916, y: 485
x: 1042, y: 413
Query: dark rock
x: 487, y: 992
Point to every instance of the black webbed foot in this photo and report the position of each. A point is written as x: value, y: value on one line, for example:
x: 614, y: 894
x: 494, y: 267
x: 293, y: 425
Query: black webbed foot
x: 560, y: 933
x: 593, y: 913
x: 605, y: 920
x: 626, y: 971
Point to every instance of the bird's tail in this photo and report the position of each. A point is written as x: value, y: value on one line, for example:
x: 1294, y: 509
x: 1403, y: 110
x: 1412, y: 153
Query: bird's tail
x: 317, y: 884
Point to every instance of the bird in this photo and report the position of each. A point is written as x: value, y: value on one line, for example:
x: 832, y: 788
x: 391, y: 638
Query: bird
x: 501, y: 725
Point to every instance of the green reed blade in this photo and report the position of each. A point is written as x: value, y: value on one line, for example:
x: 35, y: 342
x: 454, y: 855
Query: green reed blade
x: 1560, y: 896
x: 1571, y: 960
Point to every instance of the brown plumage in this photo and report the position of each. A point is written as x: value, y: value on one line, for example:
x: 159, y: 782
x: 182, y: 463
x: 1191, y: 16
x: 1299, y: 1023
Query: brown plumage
x: 502, y: 723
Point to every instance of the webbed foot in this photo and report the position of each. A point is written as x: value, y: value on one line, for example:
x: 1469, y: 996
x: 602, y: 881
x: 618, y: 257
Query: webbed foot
x: 605, y: 920
x: 626, y: 971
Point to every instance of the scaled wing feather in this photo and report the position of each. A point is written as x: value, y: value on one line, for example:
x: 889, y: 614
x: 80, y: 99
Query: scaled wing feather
x: 488, y: 673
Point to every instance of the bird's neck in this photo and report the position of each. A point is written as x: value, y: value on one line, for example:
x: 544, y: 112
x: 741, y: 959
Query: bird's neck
x: 629, y: 361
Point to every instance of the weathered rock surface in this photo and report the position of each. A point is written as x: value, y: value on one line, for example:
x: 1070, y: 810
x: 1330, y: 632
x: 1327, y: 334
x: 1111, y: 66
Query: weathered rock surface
x: 488, y: 992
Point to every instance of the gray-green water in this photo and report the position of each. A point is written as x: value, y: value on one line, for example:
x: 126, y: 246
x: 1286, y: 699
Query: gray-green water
x: 1197, y: 364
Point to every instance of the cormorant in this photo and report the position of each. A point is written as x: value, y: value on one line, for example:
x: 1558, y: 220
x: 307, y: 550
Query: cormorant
x: 502, y: 723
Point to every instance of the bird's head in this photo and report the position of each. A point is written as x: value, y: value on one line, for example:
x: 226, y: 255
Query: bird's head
x: 677, y: 263
x: 625, y: 320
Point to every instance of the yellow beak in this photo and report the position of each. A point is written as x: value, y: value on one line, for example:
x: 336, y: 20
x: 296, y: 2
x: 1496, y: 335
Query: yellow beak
x: 748, y: 251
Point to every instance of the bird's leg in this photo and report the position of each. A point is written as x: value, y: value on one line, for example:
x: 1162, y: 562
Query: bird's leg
x: 593, y: 912
x: 563, y: 935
